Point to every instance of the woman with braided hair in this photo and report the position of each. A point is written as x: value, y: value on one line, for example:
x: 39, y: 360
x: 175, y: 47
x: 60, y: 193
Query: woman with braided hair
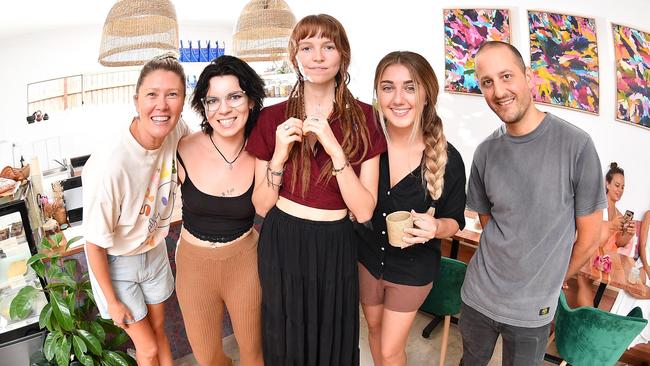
x: 317, y: 163
x: 422, y: 173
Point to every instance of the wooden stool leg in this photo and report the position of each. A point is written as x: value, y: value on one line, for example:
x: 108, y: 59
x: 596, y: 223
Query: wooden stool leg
x: 445, y: 339
x: 550, y: 340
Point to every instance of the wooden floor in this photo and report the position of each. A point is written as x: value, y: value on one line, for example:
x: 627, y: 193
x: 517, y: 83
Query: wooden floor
x: 639, y: 355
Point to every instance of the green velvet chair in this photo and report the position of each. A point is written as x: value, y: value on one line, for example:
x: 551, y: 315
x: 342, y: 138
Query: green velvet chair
x: 444, y: 297
x: 593, y: 337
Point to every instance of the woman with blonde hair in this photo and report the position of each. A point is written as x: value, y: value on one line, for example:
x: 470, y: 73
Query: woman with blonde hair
x: 128, y: 196
x: 422, y: 173
x: 317, y: 162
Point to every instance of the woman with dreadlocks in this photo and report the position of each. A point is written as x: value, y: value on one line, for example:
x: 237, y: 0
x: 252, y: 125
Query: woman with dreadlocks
x: 317, y: 163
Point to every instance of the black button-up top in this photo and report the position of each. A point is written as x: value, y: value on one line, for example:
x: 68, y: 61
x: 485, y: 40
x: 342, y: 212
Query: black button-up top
x: 416, y: 265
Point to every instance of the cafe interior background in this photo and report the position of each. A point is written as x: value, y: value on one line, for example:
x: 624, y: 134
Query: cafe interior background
x: 43, y: 40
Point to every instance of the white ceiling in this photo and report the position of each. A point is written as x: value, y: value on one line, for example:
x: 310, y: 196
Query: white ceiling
x: 30, y: 16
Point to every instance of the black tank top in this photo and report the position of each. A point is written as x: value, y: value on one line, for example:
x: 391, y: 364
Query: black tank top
x: 214, y: 218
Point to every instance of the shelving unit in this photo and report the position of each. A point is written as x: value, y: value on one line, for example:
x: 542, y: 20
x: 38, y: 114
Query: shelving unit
x: 277, y: 86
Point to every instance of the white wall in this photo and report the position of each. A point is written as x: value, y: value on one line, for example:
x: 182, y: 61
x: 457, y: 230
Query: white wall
x: 414, y: 25
x: 55, y: 53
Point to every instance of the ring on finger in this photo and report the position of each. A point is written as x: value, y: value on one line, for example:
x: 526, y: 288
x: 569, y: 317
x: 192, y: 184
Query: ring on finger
x: 286, y: 126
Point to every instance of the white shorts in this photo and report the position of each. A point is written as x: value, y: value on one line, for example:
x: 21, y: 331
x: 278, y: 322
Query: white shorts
x: 138, y: 280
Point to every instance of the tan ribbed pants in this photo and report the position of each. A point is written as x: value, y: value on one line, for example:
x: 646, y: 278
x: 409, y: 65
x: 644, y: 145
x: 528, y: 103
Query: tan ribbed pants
x: 209, y: 278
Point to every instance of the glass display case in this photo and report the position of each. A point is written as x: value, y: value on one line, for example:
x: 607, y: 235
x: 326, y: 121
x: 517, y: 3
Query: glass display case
x: 17, y: 244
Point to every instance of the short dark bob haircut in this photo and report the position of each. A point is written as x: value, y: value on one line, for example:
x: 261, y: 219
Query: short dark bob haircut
x: 249, y: 81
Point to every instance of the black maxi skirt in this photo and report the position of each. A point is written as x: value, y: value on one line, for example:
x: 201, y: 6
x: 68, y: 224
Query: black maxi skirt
x: 310, y: 294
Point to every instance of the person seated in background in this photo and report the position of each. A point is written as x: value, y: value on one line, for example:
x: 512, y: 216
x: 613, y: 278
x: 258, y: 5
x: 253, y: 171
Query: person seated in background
x: 624, y: 301
x: 619, y: 232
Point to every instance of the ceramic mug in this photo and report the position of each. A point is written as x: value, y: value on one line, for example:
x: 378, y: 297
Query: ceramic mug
x: 396, y: 222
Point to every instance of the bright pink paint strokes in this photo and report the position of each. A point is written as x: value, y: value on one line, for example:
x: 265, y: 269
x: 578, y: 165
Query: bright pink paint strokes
x: 564, y: 60
x: 465, y: 31
x: 632, y: 55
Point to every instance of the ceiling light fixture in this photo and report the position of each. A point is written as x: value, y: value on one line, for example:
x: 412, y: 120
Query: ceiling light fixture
x: 263, y: 30
x: 135, y: 31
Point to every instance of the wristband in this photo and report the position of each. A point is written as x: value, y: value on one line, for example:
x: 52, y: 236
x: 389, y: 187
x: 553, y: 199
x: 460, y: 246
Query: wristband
x: 335, y: 171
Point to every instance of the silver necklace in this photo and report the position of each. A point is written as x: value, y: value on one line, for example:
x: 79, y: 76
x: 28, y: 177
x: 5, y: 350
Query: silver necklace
x: 230, y: 163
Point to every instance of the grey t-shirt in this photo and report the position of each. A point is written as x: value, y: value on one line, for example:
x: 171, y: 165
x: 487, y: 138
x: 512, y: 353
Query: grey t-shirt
x: 533, y: 186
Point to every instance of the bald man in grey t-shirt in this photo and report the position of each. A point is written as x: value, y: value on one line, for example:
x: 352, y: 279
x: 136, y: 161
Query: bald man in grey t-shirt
x: 535, y: 183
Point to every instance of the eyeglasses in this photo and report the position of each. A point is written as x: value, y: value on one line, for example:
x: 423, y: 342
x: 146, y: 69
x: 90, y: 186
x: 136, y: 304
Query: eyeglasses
x: 233, y: 100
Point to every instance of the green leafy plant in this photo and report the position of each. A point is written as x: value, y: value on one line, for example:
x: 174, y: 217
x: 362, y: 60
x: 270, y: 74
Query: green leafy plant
x: 75, y: 333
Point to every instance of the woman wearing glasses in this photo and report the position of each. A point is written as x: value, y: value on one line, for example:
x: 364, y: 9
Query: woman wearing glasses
x: 217, y: 252
x: 317, y: 161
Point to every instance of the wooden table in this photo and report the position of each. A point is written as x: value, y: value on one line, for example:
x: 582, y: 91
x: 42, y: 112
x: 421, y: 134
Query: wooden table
x: 470, y: 235
x: 618, y: 277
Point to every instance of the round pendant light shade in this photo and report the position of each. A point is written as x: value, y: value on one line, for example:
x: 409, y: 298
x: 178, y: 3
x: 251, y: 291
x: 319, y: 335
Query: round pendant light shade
x: 137, y: 30
x: 263, y: 30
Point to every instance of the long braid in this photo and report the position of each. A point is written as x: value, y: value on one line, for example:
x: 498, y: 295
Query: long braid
x: 428, y: 122
x: 435, y: 152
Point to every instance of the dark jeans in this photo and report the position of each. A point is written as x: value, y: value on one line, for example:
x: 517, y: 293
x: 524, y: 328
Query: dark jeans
x: 521, y: 346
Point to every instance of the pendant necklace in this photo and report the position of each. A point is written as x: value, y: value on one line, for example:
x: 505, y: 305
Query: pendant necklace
x: 230, y: 163
x: 314, y: 148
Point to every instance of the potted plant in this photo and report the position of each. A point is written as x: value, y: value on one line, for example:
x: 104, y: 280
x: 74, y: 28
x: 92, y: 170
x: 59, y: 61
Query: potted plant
x: 75, y: 332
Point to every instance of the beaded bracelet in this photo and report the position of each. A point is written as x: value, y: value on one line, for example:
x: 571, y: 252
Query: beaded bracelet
x: 335, y: 171
x: 270, y: 173
x: 277, y: 174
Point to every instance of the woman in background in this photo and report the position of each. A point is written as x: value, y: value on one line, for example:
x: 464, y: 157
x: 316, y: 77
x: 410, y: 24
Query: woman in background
x: 618, y: 235
x: 422, y: 173
x: 128, y: 196
x: 316, y: 162
x: 217, y: 252
x: 625, y: 302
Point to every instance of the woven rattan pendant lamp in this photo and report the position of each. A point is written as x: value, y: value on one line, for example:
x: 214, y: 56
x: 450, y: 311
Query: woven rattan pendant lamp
x: 137, y: 30
x: 263, y: 30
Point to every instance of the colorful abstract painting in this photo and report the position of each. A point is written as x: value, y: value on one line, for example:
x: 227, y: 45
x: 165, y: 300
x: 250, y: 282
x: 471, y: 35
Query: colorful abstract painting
x: 564, y: 60
x: 465, y: 31
x: 632, y: 55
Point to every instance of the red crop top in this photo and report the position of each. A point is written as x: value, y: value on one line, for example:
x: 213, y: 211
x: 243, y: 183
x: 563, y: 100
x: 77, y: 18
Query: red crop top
x: 261, y: 144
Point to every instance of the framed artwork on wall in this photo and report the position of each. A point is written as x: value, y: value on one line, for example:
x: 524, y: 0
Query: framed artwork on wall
x: 465, y: 31
x: 564, y: 60
x: 632, y: 57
